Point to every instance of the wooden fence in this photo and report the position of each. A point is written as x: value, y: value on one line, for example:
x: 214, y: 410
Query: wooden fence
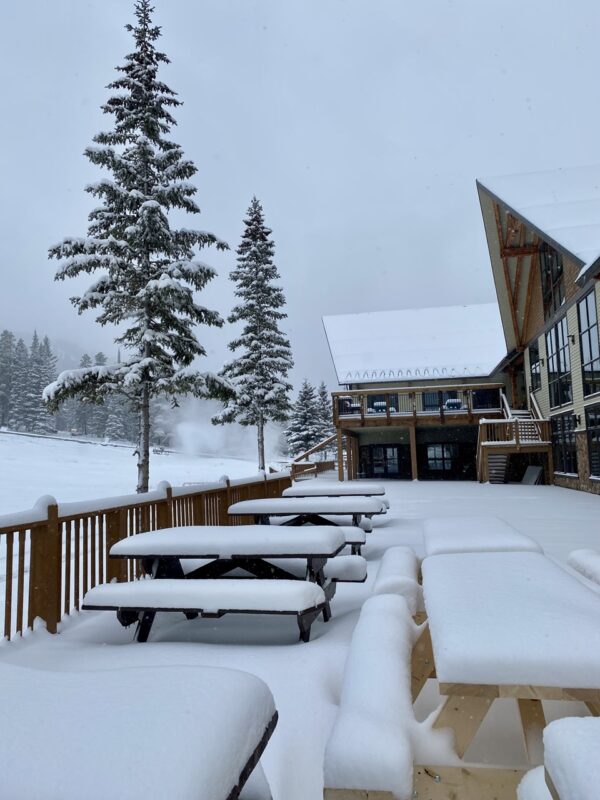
x: 53, y: 554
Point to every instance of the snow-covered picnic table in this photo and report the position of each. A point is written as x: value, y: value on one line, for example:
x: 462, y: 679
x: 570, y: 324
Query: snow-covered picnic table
x: 514, y: 625
x: 173, y: 731
x: 337, y: 489
x: 572, y: 758
x: 309, y: 510
x: 178, y: 558
x: 473, y: 535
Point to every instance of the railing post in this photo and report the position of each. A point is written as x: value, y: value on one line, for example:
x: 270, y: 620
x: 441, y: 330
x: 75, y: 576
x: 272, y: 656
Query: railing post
x: 45, y: 570
x: 116, y: 529
x: 517, y: 436
x: 164, y: 508
x: 224, y: 503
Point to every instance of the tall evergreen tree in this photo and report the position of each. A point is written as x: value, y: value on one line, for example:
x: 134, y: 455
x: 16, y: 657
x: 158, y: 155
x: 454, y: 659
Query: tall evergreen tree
x: 259, y: 373
x: 43, y: 373
x: 148, y: 271
x: 19, y: 389
x: 304, y: 429
x: 31, y: 403
x: 325, y: 411
x: 7, y: 359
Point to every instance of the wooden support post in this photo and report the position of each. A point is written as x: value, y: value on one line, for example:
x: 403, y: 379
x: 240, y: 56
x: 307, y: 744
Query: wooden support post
x: 340, y: 453
x: 412, y: 433
x: 533, y: 723
x: 116, y: 529
x: 464, y: 714
x: 45, y: 572
x: 355, y: 456
x: 164, y: 508
x: 422, y: 665
x: 349, y: 457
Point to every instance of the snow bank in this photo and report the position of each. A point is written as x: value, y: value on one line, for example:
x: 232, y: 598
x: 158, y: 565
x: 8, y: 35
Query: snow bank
x: 370, y: 744
x: 586, y: 562
x: 398, y: 574
x: 572, y: 756
x: 151, y: 732
x: 473, y: 534
x: 533, y: 786
x: 511, y: 618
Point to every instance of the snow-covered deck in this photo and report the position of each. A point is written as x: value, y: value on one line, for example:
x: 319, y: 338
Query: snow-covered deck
x: 306, y: 679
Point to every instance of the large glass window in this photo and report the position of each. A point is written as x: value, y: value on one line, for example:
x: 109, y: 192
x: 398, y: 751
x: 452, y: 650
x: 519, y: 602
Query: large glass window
x: 535, y: 369
x: 559, y: 364
x: 592, y: 423
x: 440, y: 457
x: 588, y: 342
x: 551, y: 267
x: 564, y: 449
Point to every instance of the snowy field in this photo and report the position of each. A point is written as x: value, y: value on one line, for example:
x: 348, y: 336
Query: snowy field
x: 32, y: 467
x: 306, y: 678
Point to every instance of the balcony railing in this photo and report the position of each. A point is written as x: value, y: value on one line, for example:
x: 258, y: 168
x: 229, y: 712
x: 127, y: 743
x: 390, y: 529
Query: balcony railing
x: 419, y: 401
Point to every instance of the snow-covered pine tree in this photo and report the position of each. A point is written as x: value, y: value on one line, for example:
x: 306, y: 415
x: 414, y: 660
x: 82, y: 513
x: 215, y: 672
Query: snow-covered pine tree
x: 31, y: 401
x: 98, y: 413
x: 304, y: 429
x: 325, y: 411
x: 7, y: 357
x: 148, y: 270
x: 115, y: 430
x: 259, y: 373
x: 19, y: 388
x: 43, y: 374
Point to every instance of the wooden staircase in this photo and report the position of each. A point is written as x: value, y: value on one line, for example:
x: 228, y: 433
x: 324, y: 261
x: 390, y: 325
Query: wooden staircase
x: 519, y: 432
x: 497, y: 467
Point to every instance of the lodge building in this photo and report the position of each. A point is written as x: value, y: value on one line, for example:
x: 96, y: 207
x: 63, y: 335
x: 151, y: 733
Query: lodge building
x: 483, y: 392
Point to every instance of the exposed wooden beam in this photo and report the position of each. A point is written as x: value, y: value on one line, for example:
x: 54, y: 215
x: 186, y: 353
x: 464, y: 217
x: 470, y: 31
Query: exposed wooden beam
x: 507, y: 278
x: 521, y: 250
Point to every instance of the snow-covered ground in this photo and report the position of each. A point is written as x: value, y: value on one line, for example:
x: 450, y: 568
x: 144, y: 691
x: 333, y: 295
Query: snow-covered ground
x: 306, y: 678
x: 34, y: 466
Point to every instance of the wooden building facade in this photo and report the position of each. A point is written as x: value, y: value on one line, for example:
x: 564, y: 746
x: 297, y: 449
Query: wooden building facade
x: 543, y: 234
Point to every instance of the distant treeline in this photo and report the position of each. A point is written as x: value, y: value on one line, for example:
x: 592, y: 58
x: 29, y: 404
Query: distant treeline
x: 26, y: 371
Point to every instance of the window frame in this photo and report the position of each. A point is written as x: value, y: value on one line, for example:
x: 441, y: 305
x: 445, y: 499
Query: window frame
x: 558, y: 364
x: 589, y: 339
x: 593, y: 439
x: 564, y: 443
x: 551, y: 275
x: 535, y: 366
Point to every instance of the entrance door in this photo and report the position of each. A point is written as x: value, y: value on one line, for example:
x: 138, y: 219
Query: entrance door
x: 392, y: 462
x: 385, y: 461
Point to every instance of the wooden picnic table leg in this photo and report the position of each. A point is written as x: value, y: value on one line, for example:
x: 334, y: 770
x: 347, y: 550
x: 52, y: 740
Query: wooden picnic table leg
x: 145, y: 625
x: 464, y: 714
x: 316, y: 574
x: 422, y: 664
x: 533, y: 723
x: 305, y: 622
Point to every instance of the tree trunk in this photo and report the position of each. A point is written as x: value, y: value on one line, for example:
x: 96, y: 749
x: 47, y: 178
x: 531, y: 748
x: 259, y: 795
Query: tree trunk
x: 143, y: 450
x: 261, y: 442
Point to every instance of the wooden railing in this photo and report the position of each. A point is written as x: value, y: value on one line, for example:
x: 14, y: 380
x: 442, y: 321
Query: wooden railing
x: 314, y: 468
x: 514, y: 432
x: 389, y: 405
x: 51, y: 555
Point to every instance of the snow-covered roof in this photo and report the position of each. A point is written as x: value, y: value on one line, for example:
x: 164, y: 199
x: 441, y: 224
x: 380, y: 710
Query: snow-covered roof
x: 416, y: 344
x: 563, y: 204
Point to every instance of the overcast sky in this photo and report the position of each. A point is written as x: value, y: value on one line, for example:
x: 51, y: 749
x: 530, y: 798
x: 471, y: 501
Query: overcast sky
x: 361, y: 125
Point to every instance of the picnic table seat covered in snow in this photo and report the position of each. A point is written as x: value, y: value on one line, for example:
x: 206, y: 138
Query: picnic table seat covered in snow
x: 509, y: 625
x: 587, y: 563
x: 398, y: 574
x: 308, y: 510
x: 355, y: 537
x: 342, y: 569
x: 473, y: 535
x: 571, y: 768
x: 218, y: 720
x: 140, y: 601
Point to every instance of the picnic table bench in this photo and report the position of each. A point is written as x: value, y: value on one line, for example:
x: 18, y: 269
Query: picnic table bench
x: 208, y: 729
x: 513, y: 625
x: 473, y: 535
x: 308, y: 510
x: 335, y: 489
x: 140, y: 601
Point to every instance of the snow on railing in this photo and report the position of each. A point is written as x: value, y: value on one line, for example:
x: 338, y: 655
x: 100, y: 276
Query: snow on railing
x: 53, y: 553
